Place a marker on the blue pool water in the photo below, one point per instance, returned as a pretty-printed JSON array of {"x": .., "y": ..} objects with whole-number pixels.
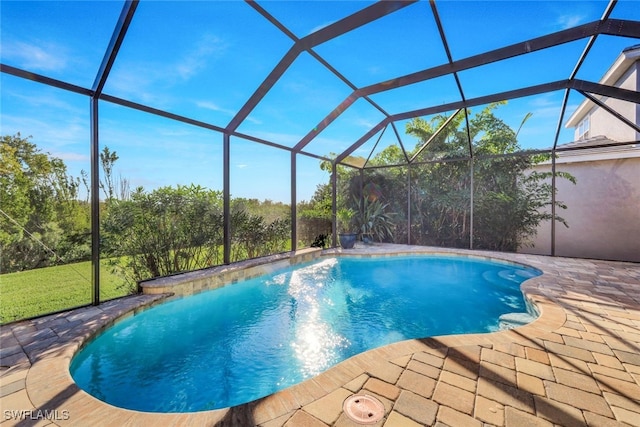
[{"x": 244, "y": 341}]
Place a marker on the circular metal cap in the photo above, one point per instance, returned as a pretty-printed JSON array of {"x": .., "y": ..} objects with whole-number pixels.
[{"x": 363, "y": 409}]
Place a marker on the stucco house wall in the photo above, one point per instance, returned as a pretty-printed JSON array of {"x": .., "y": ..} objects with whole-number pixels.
[
  {"x": 603, "y": 211},
  {"x": 603, "y": 123},
  {"x": 623, "y": 73},
  {"x": 603, "y": 208}
]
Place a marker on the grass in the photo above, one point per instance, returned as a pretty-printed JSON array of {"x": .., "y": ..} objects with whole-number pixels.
[
  {"x": 45, "y": 290},
  {"x": 41, "y": 291}
]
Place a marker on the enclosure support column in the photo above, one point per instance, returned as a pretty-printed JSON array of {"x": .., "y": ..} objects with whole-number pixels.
[
  {"x": 471, "y": 204},
  {"x": 294, "y": 203},
  {"x": 95, "y": 203},
  {"x": 334, "y": 189},
  {"x": 226, "y": 203},
  {"x": 361, "y": 201},
  {"x": 126, "y": 15},
  {"x": 409, "y": 204},
  {"x": 553, "y": 202}
]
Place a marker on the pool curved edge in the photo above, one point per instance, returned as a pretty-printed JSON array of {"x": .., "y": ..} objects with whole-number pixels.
[{"x": 50, "y": 386}]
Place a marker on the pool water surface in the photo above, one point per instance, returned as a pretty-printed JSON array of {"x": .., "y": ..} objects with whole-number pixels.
[{"x": 244, "y": 341}]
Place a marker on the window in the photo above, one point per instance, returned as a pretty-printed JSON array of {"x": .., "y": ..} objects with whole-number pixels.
[{"x": 583, "y": 129}]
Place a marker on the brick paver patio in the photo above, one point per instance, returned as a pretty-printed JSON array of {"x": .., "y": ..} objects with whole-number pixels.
[{"x": 578, "y": 364}]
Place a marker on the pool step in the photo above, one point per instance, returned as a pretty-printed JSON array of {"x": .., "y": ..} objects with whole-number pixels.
[{"x": 514, "y": 320}]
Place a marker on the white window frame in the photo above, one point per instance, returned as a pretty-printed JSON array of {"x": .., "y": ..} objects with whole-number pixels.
[{"x": 583, "y": 127}]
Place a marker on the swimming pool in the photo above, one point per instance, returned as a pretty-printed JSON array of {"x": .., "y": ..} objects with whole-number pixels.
[{"x": 238, "y": 343}]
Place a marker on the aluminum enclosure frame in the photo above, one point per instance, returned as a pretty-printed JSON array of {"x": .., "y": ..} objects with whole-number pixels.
[{"x": 378, "y": 10}]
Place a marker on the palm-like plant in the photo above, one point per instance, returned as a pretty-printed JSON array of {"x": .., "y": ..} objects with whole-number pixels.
[{"x": 374, "y": 221}]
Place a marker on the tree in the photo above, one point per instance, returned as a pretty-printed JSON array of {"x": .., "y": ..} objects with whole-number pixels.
[
  {"x": 510, "y": 200},
  {"x": 314, "y": 217},
  {"x": 253, "y": 236},
  {"x": 107, "y": 160},
  {"x": 176, "y": 229},
  {"x": 165, "y": 231},
  {"x": 41, "y": 221},
  {"x": 440, "y": 191},
  {"x": 112, "y": 187}
]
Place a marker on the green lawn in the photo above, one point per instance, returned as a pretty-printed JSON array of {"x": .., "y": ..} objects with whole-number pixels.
[{"x": 45, "y": 290}]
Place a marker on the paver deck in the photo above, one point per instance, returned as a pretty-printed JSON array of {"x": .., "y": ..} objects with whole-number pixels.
[{"x": 577, "y": 364}]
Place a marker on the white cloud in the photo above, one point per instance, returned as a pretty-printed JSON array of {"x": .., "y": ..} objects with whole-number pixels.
[
  {"x": 137, "y": 80},
  {"x": 543, "y": 100},
  {"x": 362, "y": 122},
  {"x": 48, "y": 133},
  {"x": 321, "y": 26},
  {"x": 374, "y": 70},
  {"x": 545, "y": 106},
  {"x": 207, "y": 48},
  {"x": 297, "y": 87},
  {"x": 215, "y": 107},
  {"x": 45, "y": 56},
  {"x": 568, "y": 21},
  {"x": 208, "y": 105},
  {"x": 72, "y": 157},
  {"x": 65, "y": 139},
  {"x": 254, "y": 121},
  {"x": 142, "y": 80},
  {"x": 46, "y": 101}
]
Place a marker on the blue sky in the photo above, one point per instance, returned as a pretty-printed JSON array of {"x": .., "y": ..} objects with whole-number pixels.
[{"x": 204, "y": 59}]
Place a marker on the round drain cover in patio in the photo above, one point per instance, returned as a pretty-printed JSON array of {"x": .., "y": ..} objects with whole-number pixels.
[{"x": 363, "y": 409}]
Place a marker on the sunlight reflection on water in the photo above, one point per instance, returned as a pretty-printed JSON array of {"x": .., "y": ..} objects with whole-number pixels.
[
  {"x": 316, "y": 344},
  {"x": 245, "y": 341}
]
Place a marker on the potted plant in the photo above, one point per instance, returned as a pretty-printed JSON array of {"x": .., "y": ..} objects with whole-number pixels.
[{"x": 346, "y": 235}]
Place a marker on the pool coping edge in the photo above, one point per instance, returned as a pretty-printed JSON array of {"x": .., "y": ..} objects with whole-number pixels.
[{"x": 49, "y": 384}]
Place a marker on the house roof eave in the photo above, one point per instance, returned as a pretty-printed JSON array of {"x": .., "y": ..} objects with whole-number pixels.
[{"x": 624, "y": 61}]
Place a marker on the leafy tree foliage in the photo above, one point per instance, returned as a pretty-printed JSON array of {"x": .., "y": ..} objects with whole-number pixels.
[
  {"x": 510, "y": 199},
  {"x": 177, "y": 229},
  {"x": 165, "y": 231},
  {"x": 144, "y": 234},
  {"x": 253, "y": 236},
  {"x": 314, "y": 217},
  {"x": 267, "y": 209},
  {"x": 112, "y": 187},
  {"x": 172, "y": 229},
  {"x": 41, "y": 220}
]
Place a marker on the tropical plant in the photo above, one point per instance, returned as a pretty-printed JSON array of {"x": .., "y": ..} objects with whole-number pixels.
[
  {"x": 509, "y": 200},
  {"x": 344, "y": 217},
  {"x": 443, "y": 178},
  {"x": 113, "y": 187},
  {"x": 373, "y": 219}
]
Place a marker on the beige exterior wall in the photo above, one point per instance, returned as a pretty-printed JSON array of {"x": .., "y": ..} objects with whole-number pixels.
[
  {"x": 603, "y": 123},
  {"x": 603, "y": 209}
]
